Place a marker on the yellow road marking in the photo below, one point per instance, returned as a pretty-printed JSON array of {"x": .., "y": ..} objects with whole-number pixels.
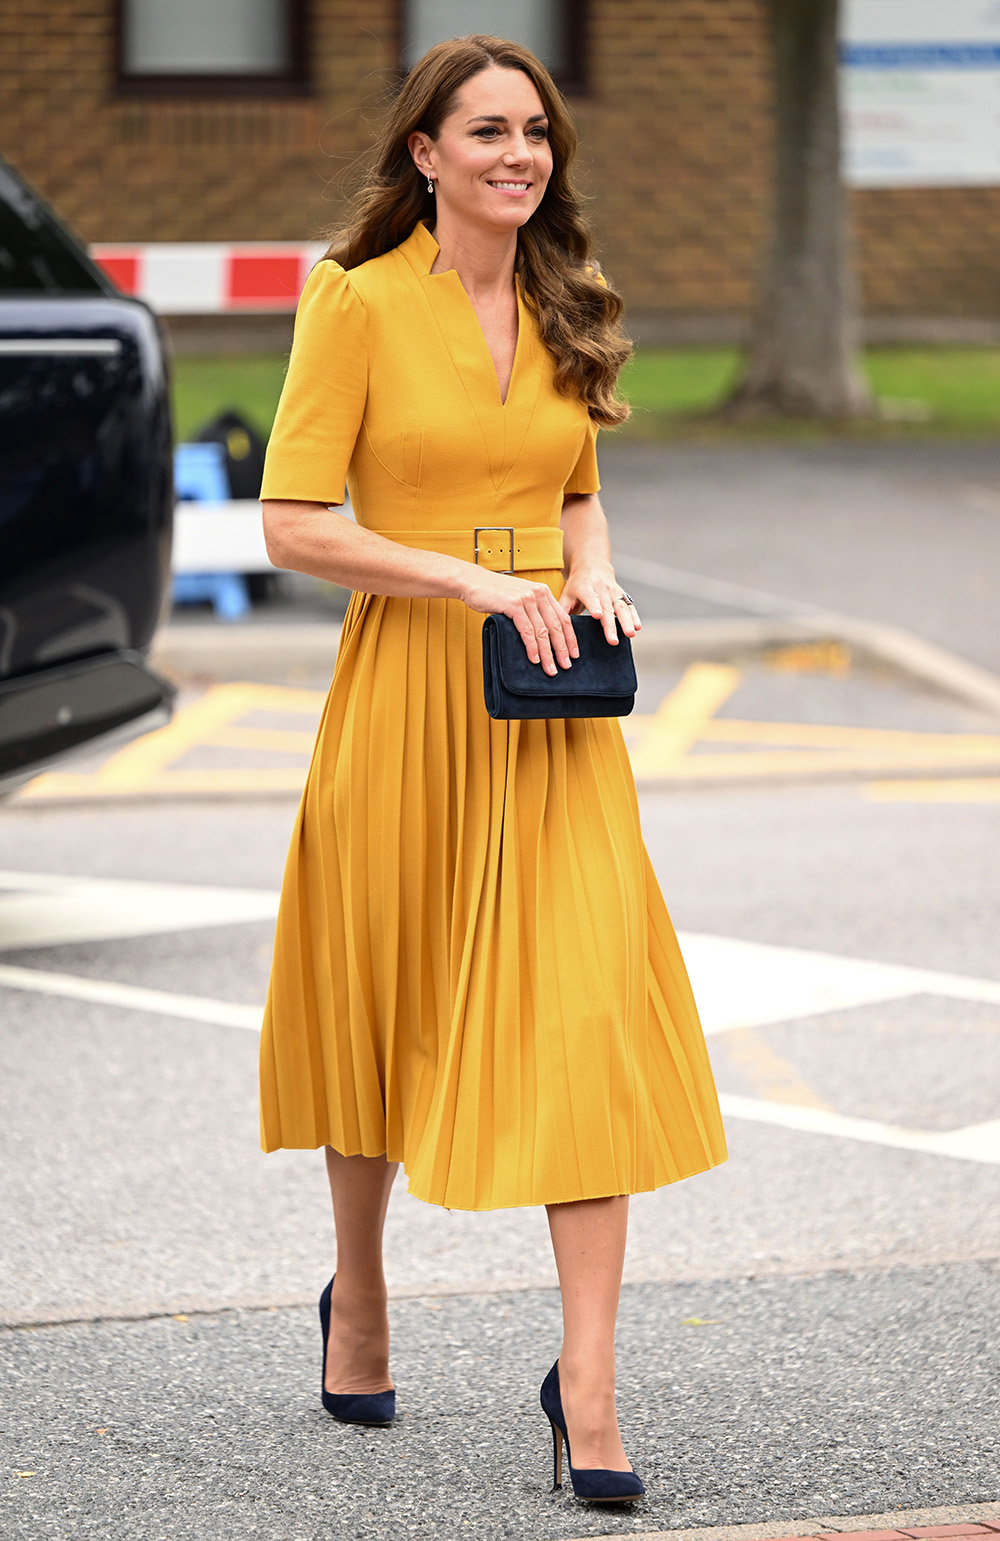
[
  {"x": 181, "y": 783},
  {"x": 143, "y": 765},
  {"x": 771, "y": 1076},
  {"x": 682, "y": 740},
  {"x": 144, "y": 757},
  {"x": 806, "y": 734},
  {"x": 285, "y": 740},
  {"x": 680, "y": 721},
  {"x": 827, "y": 657},
  {"x": 710, "y": 767},
  {"x": 807, "y": 749},
  {"x": 985, "y": 789}
]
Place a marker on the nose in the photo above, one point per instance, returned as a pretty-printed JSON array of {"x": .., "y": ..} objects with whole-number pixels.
[{"x": 519, "y": 155}]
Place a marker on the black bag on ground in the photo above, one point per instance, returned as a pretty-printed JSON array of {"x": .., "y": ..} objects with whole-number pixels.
[{"x": 244, "y": 449}]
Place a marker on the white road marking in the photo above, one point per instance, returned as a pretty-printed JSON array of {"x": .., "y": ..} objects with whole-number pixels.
[
  {"x": 753, "y": 984},
  {"x": 718, "y": 591},
  {"x": 45, "y": 910},
  {"x": 109, "y": 992},
  {"x": 736, "y": 983},
  {"x": 978, "y": 1142}
]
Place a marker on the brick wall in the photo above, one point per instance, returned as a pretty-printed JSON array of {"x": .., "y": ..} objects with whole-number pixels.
[
  {"x": 675, "y": 153},
  {"x": 929, "y": 251},
  {"x": 128, "y": 168},
  {"x": 676, "y": 135}
]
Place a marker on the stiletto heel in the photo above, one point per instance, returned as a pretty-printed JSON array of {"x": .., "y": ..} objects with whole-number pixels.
[
  {"x": 375, "y": 1408},
  {"x": 593, "y": 1484},
  {"x": 557, "y": 1444}
]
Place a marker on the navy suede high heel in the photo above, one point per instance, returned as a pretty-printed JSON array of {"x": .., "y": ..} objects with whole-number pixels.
[
  {"x": 375, "y": 1408},
  {"x": 593, "y": 1484}
]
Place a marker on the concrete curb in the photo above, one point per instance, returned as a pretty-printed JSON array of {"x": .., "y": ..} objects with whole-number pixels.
[
  {"x": 770, "y": 1530},
  {"x": 924, "y": 661},
  {"x": 244, "y": 652},
  {"x": 769, "y": 620},
  {"x": 666, "y": 644}
]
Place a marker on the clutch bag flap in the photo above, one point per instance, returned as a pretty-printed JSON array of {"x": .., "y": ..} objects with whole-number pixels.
[{"x": 600, "y": 683}]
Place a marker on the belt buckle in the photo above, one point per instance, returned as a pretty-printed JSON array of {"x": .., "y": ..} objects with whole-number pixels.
[{"x": 482, "y": 529}]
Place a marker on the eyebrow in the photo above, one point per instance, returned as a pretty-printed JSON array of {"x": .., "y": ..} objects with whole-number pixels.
[{"x": 498, "y": 117}]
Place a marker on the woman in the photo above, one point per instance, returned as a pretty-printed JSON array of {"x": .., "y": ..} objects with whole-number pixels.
[{"x": 474, "y": 971}]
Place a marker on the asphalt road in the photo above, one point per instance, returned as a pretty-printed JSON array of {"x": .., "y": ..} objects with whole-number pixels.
[
  {"x": 905, "y": 533},
  {"x": 809, "y": 1330},
  {"x": 833, "y": 1394},
  {"x": 853, "y": 1285}
]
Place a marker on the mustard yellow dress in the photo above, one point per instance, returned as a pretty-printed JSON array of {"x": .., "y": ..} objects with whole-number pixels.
[{"x": 474, "y": 970}]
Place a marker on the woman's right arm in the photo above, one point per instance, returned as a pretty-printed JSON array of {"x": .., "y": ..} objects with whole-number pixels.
[{"x": 311, "y": 538}]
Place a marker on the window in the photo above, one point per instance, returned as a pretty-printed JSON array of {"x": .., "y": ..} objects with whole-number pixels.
[
  {"x": 189, "y": 46},
  {"x": 552, "y": 29},
  {"x": 37, "y": 253}
]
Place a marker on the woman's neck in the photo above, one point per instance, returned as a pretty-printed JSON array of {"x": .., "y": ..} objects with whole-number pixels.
[{"x": 483, "y": 259}]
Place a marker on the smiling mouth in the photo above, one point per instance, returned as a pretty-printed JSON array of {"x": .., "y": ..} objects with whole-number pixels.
[{"x": 512, "y": 187}]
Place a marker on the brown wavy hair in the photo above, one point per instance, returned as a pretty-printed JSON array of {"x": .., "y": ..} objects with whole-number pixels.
[{"x": 579, "y": 317}]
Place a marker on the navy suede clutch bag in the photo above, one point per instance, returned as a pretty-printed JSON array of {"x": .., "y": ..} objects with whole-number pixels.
[{"x": 601, "y": 683}]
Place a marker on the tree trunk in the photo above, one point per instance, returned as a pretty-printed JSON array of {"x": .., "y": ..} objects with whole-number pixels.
[{"x": 804, "y": 352}]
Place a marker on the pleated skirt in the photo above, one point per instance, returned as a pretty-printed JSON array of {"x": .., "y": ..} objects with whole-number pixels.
[{"x": 474, "y": 969}]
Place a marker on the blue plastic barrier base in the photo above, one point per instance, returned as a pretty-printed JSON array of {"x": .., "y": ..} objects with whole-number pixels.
[{"x": 227, "y": 593}]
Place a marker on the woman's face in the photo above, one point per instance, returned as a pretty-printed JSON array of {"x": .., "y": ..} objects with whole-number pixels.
[{"x": 492, "y": 159}]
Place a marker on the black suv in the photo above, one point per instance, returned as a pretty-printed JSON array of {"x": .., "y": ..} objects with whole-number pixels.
[{"x": 86, "y": 495}]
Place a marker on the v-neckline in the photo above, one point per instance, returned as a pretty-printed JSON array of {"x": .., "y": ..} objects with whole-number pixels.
[
  {"x": 502, "y": 396},
  {"x": 430, "y": 251},
  {"x": 503, "y": 421}
]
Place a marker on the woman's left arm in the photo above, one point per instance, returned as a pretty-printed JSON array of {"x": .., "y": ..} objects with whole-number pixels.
[{"x": 590, "y": 582}]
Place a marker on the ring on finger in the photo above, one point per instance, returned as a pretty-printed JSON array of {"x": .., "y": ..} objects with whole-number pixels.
[{"x": 626, "y": 597}]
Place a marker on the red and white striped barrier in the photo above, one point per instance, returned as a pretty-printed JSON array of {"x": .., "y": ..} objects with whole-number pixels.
[{"x": 205, "y": 278}]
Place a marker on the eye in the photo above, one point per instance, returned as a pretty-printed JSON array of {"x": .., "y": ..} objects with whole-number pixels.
[
  {"x": 490, "y": 131},
  {"x": 538, "y": 132}
]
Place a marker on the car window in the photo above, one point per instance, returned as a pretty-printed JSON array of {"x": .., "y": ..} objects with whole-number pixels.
[{"x": 36, "y": 254}]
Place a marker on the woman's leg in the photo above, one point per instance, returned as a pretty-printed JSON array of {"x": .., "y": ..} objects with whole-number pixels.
[
  {"x": 588, "y": 1239},
  {"x": 357, "y": 1357}
]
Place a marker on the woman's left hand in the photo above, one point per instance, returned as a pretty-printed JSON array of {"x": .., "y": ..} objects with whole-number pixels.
[{"x": 595, "y": 588}]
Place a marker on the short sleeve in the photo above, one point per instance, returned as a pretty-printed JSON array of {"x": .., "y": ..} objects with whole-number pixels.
[
  {"x": 584, "y": 478},
  {"x": 323, "y": 397}
]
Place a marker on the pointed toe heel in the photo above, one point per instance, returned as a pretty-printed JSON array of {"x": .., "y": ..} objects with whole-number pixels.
[
  {"x": 375, "y": 1409},
  {"x": 591, "y": 1484}
]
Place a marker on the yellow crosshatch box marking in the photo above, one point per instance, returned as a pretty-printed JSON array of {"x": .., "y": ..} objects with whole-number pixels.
[
  {"x": 983, "y": 789},
  {"x": 676, "y": 743},
  {"x": 145, "y": 766}
]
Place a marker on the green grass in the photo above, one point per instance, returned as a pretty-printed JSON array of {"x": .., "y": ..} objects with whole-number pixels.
[
  {"x": 250, "y": 383},
  {"x": 677, "y": 380},
  {"x": 924, "y": 391},
  {"x": 954, "y": 385}
]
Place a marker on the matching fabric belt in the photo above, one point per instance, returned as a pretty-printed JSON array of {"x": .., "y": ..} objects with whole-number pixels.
[{"x": 502, "y": 548}]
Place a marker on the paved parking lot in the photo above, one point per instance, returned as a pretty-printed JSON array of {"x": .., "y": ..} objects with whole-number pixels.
[
  {"x": 793, "y": 712},
  {"x": 808, "y": 1333}
]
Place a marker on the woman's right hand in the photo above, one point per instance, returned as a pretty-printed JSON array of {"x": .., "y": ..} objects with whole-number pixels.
[{"x": 544, "y": 625}]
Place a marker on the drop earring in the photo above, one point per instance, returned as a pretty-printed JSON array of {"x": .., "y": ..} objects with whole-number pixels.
[{"x": 430, "y": 184}]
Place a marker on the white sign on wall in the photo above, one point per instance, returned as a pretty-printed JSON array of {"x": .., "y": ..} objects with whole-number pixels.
[{"x": 921, "y": 93}]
